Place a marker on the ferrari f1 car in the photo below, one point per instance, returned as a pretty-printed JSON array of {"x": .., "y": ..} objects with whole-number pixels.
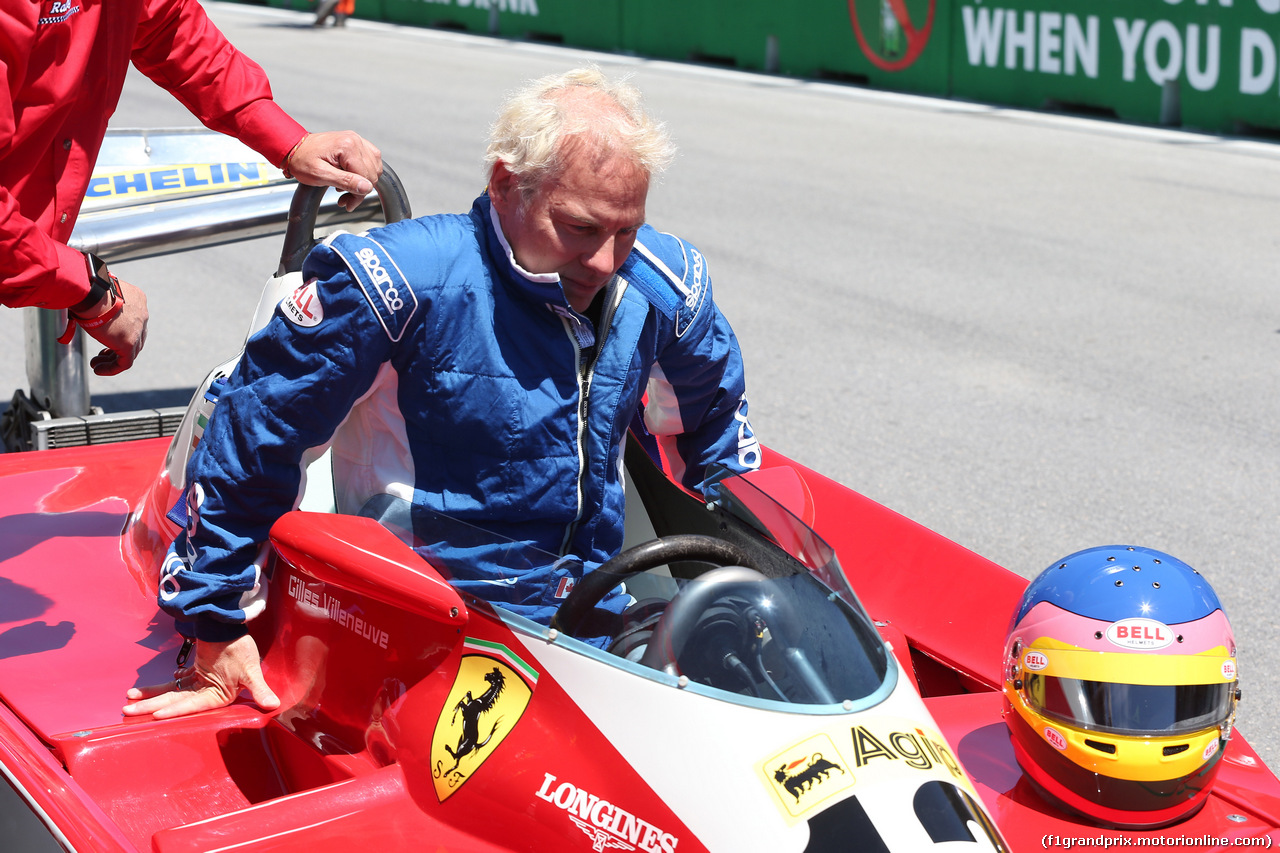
[{"x": 801, "y": 670}]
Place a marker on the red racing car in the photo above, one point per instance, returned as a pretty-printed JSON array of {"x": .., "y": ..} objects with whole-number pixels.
[{"x": 802, "y": 670}]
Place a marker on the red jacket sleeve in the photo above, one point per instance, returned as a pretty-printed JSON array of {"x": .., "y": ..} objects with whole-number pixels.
[
  {"x": 35, "y": 269},
  {"x": 179, "y": 48}
]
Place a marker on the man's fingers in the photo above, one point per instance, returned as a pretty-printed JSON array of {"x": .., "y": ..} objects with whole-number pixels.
[
  {"x": 106, "y": 363},
  {"x": 340, "y": 159},
  {"x": 176, "y": 704},
  {"x": 221, "y": 670},
  {"x": 183, "y": 695},
  {"x": 346, "y": 181},
  {"x": 262, "y": 695},
  {"x": 149, "y": 691},
  {"x": 189, "y": 703}
]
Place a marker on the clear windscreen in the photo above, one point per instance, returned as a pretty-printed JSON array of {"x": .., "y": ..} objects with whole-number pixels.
[{"x": 791, "y": 633}]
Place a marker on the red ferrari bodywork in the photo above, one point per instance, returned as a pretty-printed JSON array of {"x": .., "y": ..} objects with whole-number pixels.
[{"x": 351, "y": 761}]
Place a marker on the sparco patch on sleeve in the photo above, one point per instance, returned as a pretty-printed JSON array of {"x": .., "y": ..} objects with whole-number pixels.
[
  {"x": 303, "y": 306},
  {"x": 680, "y": 297},
  {"x": 383, "y": 283}
]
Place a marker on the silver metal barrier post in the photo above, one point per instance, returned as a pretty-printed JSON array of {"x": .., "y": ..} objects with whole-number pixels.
[{"x": 58, "y": 375}]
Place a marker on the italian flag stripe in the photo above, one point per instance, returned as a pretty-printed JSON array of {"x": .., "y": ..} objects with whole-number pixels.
[{"x": 497, "y": 650}]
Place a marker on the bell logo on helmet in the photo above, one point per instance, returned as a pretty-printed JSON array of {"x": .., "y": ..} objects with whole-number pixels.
[
  {"x": 1035, "y": 661},
  {"x": 1140, "y": 634},
  {"x": 1055, "y": 738}
]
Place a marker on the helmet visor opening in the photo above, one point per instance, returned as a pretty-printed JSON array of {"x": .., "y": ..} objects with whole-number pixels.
[{"x": 1130, "y": 709}]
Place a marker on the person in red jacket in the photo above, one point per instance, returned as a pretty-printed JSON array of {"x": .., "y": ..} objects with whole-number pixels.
[{"x": 62, "y": 67}]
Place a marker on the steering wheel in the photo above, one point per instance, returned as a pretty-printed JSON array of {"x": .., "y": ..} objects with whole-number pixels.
[
  {"x": 686, "y": 546},
  {"x": 695, "y": 607},
  {"x": 713, "y": 632}
]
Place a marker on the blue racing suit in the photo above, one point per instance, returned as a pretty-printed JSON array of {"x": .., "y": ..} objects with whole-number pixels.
[{"x": 441, "y": 372}]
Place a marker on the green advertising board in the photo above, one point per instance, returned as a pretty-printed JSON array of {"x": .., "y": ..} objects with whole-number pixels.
[
  {"x": 593, "y": 24},
  {"x": 1207, "y": 64},
  {"x": 902, "y": 43}
]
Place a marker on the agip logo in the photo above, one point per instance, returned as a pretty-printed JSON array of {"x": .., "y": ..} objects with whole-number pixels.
[
  {"x": 825, "y": 768},
  {"x": 808, "y": 775},
  {"x": 889, "y": 31}
]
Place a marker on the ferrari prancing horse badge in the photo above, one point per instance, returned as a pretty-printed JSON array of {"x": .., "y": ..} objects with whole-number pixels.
[{"x": 489, "y": 695}]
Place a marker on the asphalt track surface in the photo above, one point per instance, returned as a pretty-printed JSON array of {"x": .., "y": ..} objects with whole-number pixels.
[{"x": 1033, "y": 333}]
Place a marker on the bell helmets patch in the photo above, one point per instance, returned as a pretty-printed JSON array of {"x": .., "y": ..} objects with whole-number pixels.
[
  {"x": 303, "y": 307},
  {"x": 489, "y": 695}
]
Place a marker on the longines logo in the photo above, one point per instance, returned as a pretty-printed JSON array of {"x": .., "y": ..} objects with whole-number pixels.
[{"x": 607, "y": 825}]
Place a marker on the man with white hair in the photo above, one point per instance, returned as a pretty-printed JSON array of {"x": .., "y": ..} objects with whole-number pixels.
[{"x": 487, "y": 366}]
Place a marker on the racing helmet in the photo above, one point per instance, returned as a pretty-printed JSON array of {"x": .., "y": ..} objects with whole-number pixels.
[{"x": 1120, "y": 686}]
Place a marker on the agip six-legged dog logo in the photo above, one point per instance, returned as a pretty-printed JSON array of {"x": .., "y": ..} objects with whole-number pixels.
[
  {"x": 815, "y": 771},
  {"x": 807, "y": 775}
]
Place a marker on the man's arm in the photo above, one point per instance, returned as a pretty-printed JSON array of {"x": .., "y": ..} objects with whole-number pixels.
[
  {"x": 696, "y": 405},
  {"x": 35, "y": 269},
  {"x": 296, "y": 382}
]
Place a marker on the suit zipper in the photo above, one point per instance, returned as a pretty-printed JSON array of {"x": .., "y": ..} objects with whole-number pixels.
[{"x": 585, "y": 369}]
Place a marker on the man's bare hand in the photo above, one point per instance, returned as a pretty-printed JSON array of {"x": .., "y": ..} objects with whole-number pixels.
[
  {"x": 220, "y": 672},
  {"x": 338, "y": 158},
  {"x": 124, "y": 336}
]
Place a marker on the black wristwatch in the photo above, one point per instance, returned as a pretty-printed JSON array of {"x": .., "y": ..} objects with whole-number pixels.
[{"x": 101, "y": 282}]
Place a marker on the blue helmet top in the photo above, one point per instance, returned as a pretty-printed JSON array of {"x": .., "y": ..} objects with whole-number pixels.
[{"x": 1117, "y": 582}]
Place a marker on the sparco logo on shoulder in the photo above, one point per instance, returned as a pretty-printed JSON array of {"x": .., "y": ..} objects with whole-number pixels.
[
  {"x": 695, "y": 291},
  {"x": 381, "y": 279},
  {"x": 608, "y": 826}
]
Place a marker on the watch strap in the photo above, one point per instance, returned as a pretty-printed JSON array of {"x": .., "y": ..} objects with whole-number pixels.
[{"x": 101, "y": 284}]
